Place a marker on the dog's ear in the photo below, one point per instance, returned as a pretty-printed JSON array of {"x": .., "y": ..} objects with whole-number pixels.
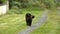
[{"x": 33, "y": 16}]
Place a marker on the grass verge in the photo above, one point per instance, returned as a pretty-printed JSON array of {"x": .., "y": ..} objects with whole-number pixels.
[
  {"x": 13, "y": 23},
  {"x": 51, "y": 26}
]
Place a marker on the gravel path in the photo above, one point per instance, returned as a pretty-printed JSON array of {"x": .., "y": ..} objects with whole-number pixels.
[
  {"x": 40, "y": 20},
  {"x": 58, "y": 12}
]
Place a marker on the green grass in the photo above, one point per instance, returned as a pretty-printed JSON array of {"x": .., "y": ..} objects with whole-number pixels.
[
  {"x": 51, "y": 26},
  {"x": 13, "y": 23}
]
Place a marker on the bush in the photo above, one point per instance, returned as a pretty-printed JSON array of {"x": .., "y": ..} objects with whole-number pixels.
[
  {"x": 15, "y": 10},
  {"x": 2, "y": 1}
]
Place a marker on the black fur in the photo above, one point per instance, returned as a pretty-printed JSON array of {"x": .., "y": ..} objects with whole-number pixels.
[{"x": 29, "y": 18}]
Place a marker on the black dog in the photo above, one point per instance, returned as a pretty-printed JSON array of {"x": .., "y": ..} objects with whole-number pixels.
[{"x": 29, "y": 18}]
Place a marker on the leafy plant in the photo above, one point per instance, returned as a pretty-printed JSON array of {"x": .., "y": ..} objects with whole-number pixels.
[{"x": 2, "y": 1}]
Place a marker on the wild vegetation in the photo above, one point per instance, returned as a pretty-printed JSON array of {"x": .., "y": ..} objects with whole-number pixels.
[
  {"x": 34, "y": 3},
  {"x": 38, "y": 4}
]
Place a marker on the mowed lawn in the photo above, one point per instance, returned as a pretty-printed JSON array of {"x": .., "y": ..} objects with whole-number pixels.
[
  {"x": 50, "y": 26},
  {"x": 13, "y": 23}
]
